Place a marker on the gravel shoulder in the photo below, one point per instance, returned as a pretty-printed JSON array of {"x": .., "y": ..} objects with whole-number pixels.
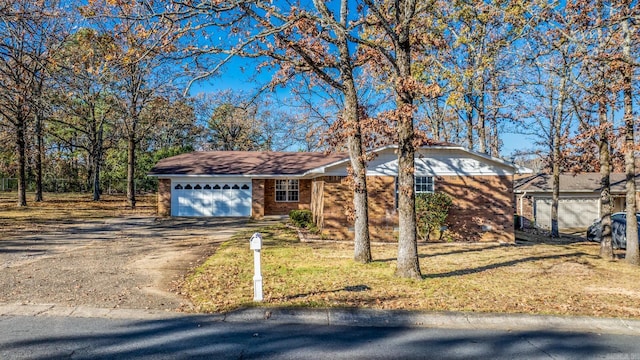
[{"x": 132, "y": 262}]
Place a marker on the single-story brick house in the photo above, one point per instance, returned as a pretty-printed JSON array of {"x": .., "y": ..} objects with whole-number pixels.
[
  {"x": 257, "y": 184},
  {"x": 579, "y": 202}
]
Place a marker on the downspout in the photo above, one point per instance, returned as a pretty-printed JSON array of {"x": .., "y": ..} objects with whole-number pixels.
[{"x": 522, "y": 209}]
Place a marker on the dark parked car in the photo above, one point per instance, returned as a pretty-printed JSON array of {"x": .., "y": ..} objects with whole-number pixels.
[{"x": 618, "y": 230}]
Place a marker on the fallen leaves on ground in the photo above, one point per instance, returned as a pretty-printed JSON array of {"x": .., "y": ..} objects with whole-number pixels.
[{"x": 567, "y": 279}]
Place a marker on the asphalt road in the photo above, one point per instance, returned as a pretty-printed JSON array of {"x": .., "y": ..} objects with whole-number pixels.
[{"x": 200, "y": 337}]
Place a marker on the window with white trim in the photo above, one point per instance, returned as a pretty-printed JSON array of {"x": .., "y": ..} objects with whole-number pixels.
[
  {"x": 424, "y": 184},
  {"x": 287, "y": 190}
]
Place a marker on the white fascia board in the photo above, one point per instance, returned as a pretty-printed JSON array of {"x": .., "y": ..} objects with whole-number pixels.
[{"x": 323, "y": 169}]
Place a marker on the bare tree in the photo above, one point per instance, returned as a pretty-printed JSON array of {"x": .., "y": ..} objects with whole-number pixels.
[
  {"x": 393, "y": 24},
  {"x": 83, "y": 97},
  {"x": 27, "y": 30},
  {"x": 303, "y": 40},
  {"x": 633, "y": 253},
  {"x": 141, "y": 65}
]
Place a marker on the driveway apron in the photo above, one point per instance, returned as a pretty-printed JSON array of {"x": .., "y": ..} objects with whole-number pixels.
[{"x": 133, "y": 262}]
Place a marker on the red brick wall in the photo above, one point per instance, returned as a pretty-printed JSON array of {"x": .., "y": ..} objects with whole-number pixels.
[
  {"x": 337, "y": 208},
  {"x": 271, "y": 207},
  {"x": 257, "y": 198},
  {"x": 482, "y": 208},
  {"x": 383, "y": 216},
  {"x": 164, "y": 197},
  {"x": 317, "y": 201},
  {"x": 334, "y": 213}
]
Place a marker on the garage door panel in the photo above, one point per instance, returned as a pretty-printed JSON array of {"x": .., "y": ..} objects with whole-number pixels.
[
  {"x": 186, "y": 206},
  {"x": 239, "y": 202},
  {"x": 201, "y": 203},
  {"x": 543, "y": 213},
  {"x": 577, "y": 213},
  {"x": 212, "y": 199},
  {"x": 219, "y": 203},
  {"x": 572, "y": 213}
]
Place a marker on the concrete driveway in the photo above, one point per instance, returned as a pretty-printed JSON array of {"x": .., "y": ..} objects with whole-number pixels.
[{"x": 134, "y": 262}]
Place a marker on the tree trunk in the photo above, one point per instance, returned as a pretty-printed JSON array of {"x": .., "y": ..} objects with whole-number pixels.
[
  {"x": 557, "y": 128},
  {"x": 97, "y": 162},
  {"x": 39, "y": 157},
  {"x": 131, "y": 164},
  {"x": 555, "y": 197},
  {"x": 469, "y": 123},
  {"x": 96, "y": 180},
  {"x": 482, "y": 131},
  {"x": 362, "y": 243},
  {"x": 632, "y": 255},
  {"x": 494, "y": 140},
  {"x": 606, "y": 248},
  {"x": 408, "y": 265},
  {"x": 22, "y": 162}
]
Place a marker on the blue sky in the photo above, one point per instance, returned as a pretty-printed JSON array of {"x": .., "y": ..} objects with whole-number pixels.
[{"x": 233, "y": 78}]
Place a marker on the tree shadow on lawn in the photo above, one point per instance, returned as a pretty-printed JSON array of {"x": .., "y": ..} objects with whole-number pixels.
[
  {"x": 490, "y": 266},
  {"x": 348, "y": 288},
  {"x": 453, "y": 252},
  {"x": 480, "y": 269}
]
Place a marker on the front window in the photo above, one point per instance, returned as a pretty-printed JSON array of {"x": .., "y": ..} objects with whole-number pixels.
[
  {"x": 287, "y": 190},
  {"x": 424, "y": 184}
]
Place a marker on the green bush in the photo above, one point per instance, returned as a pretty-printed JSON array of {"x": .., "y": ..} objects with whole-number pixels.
[
  {"x": 301, "y": 218},
  {"x": 431, "y": 214}
]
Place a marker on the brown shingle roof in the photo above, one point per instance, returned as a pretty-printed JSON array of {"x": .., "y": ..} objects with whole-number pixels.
[
  {"x": 585, "y": 182},
  {"x": 244, "y": 163}
]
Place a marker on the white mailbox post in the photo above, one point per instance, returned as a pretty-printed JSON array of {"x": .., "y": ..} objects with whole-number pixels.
[{"x": 255, "y": 244}]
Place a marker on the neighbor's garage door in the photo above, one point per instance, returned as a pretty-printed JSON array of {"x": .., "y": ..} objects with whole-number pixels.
[
  {"x": 211, "y": 199},
  {"x": 572, "y": 213}
]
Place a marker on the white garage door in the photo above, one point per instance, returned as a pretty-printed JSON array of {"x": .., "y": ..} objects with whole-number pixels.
[
  {"x": 572, "y": 213},
  {"x": 211, "y": 199}
]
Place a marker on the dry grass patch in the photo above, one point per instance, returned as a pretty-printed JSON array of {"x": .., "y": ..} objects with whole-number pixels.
[
  {"x": 66, "y": 207},
  {"x": 566, "y": 279}
]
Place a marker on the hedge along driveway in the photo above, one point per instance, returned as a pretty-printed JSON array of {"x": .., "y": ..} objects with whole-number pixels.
[{"x": 567, "y": 279}]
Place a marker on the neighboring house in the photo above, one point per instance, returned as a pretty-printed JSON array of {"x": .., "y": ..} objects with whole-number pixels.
[
  {"x": 579, "y": 203},
  {"x": 257, "y": 184}
]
